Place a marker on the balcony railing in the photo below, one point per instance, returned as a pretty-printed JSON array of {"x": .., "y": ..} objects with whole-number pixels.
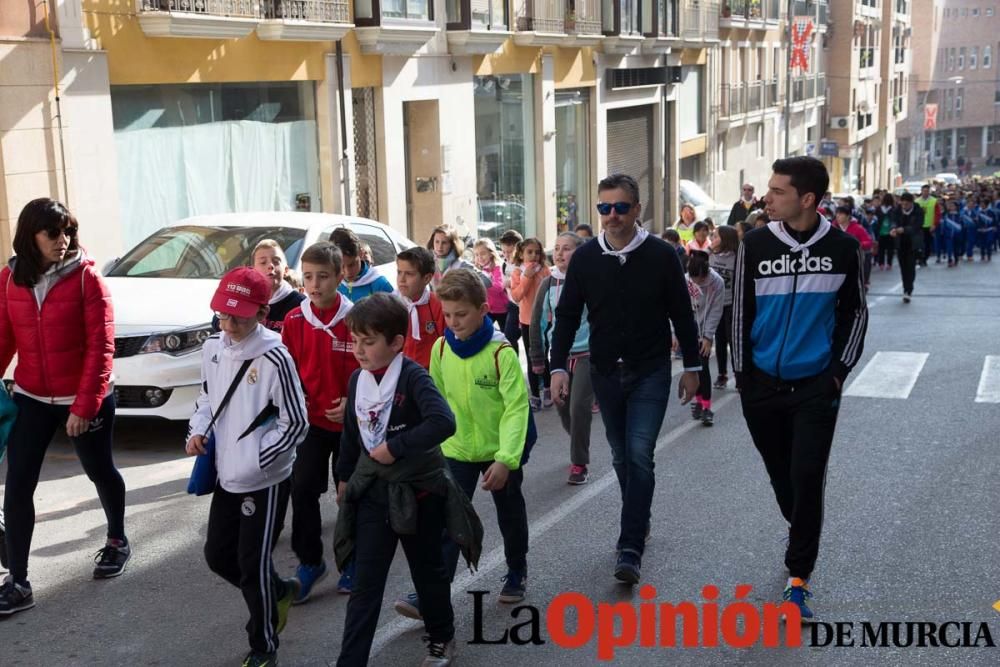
[
  {"x": 821, "y": 85},
  {"x": 755, "y": 96},
  {"x": 700, "y": 20},
  {"x": 807, "y": 87},
  {"x": 317, "y": 11},
  {"x": 244, "y": 9},
  {"x": 541, "y": 16},
  {"x": 732, "y": 100},
  {"x": 771, "y": 97},
  {"x": 742, "y": 9},
  {"x": 583, "y": 17},
  {"x": 482, "y": 15}
]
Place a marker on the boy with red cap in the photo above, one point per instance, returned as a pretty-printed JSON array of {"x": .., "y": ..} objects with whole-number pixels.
[{"x": 255, "y": 410}]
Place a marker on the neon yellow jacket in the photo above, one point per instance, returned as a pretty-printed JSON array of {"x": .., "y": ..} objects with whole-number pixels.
[{"x": 489, "y": 397}]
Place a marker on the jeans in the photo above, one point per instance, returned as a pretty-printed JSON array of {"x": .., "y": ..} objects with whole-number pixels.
[{"x": 632, "y": 407}]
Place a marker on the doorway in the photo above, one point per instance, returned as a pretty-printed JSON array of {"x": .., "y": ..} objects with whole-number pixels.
[{"x": 422, "y": 146}]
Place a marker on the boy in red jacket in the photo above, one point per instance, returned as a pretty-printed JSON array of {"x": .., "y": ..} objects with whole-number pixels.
[
  {"x": 414, "y": 271},
  {"x": 320, "y": 343}
]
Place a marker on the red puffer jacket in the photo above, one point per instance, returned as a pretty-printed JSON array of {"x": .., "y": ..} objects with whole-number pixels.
[{"x": 65, "y": 349}]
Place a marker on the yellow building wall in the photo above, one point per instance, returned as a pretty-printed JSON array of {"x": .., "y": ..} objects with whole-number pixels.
[{"x": 574, "y": 67}]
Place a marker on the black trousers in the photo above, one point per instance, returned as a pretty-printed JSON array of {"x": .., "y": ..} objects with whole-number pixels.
[
  {"x": 792, "y": 426},
  {"x": 908, "y": 269},
  {"x": 33, "y": 429},
  {"x": 242, "y": 531},
  {"x": 375, "y": 546},
  {"x": 512, "y": 326},
  {"x": 533, "y": 377},
  {"x": 886, "y": 250},
  {"x": 315, "y": 462},
  {"x": 705, "y": 380},
  {"x": 722, "y": 340},
  {"x": 511, "y": 514}
]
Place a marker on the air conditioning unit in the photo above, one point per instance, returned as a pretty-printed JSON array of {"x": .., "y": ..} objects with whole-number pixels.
[{"x": 840, "y": 122}]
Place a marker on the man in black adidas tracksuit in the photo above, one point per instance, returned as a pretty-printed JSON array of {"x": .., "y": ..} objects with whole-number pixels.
[{"x": 799, "y": 323}]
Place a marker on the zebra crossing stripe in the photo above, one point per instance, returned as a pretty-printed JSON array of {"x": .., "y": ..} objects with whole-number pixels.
[
  {"x": 888, "y": 375},
  {"x": 989, "y": 381}
]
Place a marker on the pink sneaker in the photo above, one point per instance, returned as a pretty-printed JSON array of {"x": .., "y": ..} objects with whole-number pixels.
[{"x": 577, "y": 475}]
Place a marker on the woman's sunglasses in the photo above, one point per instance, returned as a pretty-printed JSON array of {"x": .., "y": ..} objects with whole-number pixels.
[
  {"x": 620, "y": 207},
  {"x": 55, "y": 232}
]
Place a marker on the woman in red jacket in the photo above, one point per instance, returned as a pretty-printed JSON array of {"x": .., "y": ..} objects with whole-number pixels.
[{"x": 55, "y": 314}]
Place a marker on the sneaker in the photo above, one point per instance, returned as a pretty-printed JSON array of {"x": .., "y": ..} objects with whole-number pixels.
[
  {"x": 255, "y": 659},
  {"x": 721, "y": 382},
  {"x": 439, "y": 654},
  {"x": 696, "y": 410},
  {"x": 547, "y": 399},
  {"x": 798, "y": 595},
  {"x": 577, "y": 475},
  {"x": 513, "y": 586},
  {"x": 535, "y": 403},
  {"x": 628, "y": 567},
  {"x": 409, "y": 606},
  {"x": 346, "y": 582},
  {"x": 286, "y": 601},
  {"x": 906, "y": 298},
  {"x": 111, "y": 559},
  {"x": 707, "y": 417},
  {"x": 308, "y": 576},
  {"x": 15, "y": 597}
]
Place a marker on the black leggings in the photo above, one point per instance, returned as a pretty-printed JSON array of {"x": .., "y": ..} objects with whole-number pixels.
[
  {"x": 722, "y": 340},
  {"x": 33, "y": 430},
  {"x": 704, "y": 381},
  {"x": 886, "y": 250},
  {"x": 532, "y": 376}
]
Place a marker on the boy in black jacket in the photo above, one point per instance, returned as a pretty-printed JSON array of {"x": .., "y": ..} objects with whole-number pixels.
[{"x": 393, "y": 485}]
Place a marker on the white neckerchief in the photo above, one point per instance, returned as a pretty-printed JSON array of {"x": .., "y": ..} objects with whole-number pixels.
[
  {"x": 557, "y": 274},
  {"x": 311, "y": 318},
  {"x": 556, "y": 287},
  {"x": 373, "y": 403},
  {"x": 411, "y": 306},
  {"x": 284, "y": 289},
  {"x": 778, "y": 229},
  {"x": 622, "y": 255},
  {"x": 367, "y": 278}
]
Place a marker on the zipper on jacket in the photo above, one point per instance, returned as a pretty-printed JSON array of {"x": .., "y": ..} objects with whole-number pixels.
[{"x": 788, "y": 321}]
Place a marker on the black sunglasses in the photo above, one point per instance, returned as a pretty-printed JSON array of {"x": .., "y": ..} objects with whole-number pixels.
[
  {"x": 620, "y": 207},
  {"x": 55, "y": 232}
]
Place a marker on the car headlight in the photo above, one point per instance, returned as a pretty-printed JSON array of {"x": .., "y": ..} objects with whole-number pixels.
[{"x": 181, "y": 341}]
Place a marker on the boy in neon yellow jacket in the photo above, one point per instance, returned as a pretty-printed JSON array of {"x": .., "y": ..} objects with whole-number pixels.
[{"x": 479, "y": 374}]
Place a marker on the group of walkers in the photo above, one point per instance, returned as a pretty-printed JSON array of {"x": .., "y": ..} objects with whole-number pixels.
[{"x": 410, "y": 400}]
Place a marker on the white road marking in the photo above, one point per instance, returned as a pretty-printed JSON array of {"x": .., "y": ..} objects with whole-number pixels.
[
  {"x": 895, "y": 291},
  {"x": 495, "y": 558},
  {"x": 989, "y": 381},
  {"x": 888, "y": 375}
]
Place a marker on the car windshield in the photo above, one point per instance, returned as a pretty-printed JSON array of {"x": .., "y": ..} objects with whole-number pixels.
[
  {"x": 692, "y": 194},
  {"x": 202, "y": 252}
]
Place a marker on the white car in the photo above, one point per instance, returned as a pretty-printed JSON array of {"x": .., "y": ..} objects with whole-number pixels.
[
  {"x": 913, "y": 187},
  {"x": 948, "y": 178},
  {"x": 704, "y": 206},
  {"x": 161, "y": 290}
]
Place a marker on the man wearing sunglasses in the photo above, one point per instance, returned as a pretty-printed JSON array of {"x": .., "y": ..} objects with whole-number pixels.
[
  {"x": 633, "y": 288},
  {"x": 746, "y": 203}
]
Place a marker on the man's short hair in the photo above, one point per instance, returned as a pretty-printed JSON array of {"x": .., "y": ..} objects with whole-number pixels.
[
  {"x": 324, "y": 253},
  {"x": 807, "y": 175},
  {"x": 511, "y": 237},
  {"x": 421, "y": 258},
  {"x": 906, "y": 196},
  {"x": 347, "y": 241},
  {"x": 380, "y": 314},
  {"x": 622, "y": 181},
  {"x": 462, "y": 285}
]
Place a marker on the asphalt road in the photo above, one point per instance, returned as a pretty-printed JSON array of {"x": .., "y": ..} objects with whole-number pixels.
[{"x": 910, "y": 534}]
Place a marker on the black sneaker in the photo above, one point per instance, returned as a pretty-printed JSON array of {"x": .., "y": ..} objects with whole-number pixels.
[
  {"x": 696, "y": 410},
  {"x": 628, "y": 567},
  {"x": 111, "y": 559},
  {"x": 15, "y": 597},
  {"x": 255, "y": 659},
  {"x": 513, "y": 586},
  {"x": 707, "y": 417},
  {"x": 439, "y": 654}
]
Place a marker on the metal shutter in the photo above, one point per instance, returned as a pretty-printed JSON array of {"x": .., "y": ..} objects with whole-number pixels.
[{"x": 630, "y": 151}]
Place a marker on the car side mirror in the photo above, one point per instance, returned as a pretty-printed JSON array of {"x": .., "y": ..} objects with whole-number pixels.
[{"x": 109, "y": 265}]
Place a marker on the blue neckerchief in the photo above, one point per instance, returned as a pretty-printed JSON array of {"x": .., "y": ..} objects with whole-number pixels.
[
  {"x": 363, "y": 271},
  {"x": 474, "y": 343}
]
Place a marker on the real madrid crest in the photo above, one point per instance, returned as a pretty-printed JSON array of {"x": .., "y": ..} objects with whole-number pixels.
[
  {"x": 248, "y": 507},
  {"x": 252, "y": 376},
  {"x": 429, "y": 327}
]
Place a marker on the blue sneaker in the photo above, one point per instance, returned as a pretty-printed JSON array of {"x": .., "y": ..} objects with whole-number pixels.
[
  {"x": 798, "y": 595},
  {"x": 513, "y": 587},
  {"x": 308, "y": 576},
  {"x": 409, "y": 606},
  {"x": 628, "y": 567},
  {"x": 346, "y": 583}
]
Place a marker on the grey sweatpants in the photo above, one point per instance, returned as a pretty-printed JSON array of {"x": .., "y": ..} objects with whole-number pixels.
[{"x": 576, "y": 414}]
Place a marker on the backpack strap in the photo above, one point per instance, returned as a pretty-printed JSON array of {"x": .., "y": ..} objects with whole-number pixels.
[{"x": 496, "y": 356}]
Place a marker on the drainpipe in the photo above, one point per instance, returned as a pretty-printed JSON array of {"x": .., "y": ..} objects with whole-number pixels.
[
  {"x": 55, "y": 85},
  {"x": 345, "y": 170},
  {"x": 788, "y": 80}
]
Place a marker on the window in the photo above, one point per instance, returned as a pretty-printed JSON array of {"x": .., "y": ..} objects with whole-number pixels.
[
  {"x": 958, "y": 101},
  {"x": 961, "y": 141},
  {"x": 975, "y": 12},
  {"x": 573, "y": 157},
  {"x": 406, "y": 9},
  {"x": 961, "y": 58},
  {"x": 722, "y": 153},
  {"x": 760, "y": 140},
  {"x": 951, "y": 59},
  {"x": 996, "y": 97},
  {"x": 987, "y": 57},
  {"x": 965, "y": 12},
  {"x": 990, "y": 135},
  {"x": 973, "y": 57},
  {"x": 989, "y": 11}
]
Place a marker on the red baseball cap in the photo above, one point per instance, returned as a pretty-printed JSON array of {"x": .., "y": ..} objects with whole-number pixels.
[{"x": 241, "y": 292}]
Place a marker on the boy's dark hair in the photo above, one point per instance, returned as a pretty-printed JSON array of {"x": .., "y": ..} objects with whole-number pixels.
[
  {"x": 671, "y": 235},
  {"x": 380, "y": 314},
  {"x": 807, "y": 175},
  {"x": 347, "y": 241},
  {"x": 324, "y": 253},
  {"x": 511, "y": 237},
  {"x": 462, "y": 285},
  {"x": 584, "y": 228},
  {"x": 729, "y": 239},
  {"x": 40, "y": 215},
  {"x": 848, "y": 201},
  {"x": 623, "y": 181},
  {"x": 697, "y": 266},
  {"x": 421, "y": 258},
  {"x": 700, "y": 226},
  {"x": 906, "y": 196},
  {"x": 846, "y": 210}
]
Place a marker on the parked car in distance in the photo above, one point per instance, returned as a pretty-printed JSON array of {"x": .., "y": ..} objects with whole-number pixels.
[
  {"x": 161, "y": 290},
  {"x": 497, "y": 216},
  {"x": 913, "y": 187},
  {"x": 948, "y": 178},
  {"x": 704, "y": 206}
]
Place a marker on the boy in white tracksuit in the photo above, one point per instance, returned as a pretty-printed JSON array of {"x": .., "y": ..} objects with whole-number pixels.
[{"x": 256, "y": 433}]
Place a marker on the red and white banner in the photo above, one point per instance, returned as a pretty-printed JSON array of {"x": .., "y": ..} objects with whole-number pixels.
[
  {"x": 930, "y": 116},
  {"x": 802, "y": 28}
]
